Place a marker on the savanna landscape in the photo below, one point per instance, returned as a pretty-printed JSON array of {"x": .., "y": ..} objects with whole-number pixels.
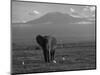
[
  {"x": 74, "y": 27},
  {"x": 70, "y": 56}
]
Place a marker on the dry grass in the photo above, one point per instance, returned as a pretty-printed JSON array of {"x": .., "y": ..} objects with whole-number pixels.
[{"x": 76, "y": 58}]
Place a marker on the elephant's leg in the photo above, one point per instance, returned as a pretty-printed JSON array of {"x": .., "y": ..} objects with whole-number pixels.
[
  {"x": 46, "y": 55},
  {"x": 52, "y": 55}
]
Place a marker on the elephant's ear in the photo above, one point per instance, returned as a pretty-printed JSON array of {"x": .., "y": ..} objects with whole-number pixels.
[{"x": 40, "y": 40}]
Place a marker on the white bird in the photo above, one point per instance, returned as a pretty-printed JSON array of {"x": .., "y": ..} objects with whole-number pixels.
[
  {"x": 23, "y": 63},
  {"x": 63, "y": 58},
  {"x": 54, "y": 61}
]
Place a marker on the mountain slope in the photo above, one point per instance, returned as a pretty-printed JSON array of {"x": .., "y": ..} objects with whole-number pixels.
[{"x": 56, "y": 17}]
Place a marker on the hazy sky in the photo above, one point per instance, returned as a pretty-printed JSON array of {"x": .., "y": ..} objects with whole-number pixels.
[{"x": 25, "y": 11}]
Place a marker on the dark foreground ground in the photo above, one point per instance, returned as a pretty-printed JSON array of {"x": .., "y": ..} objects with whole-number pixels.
[{"x": 77, "y": 56}]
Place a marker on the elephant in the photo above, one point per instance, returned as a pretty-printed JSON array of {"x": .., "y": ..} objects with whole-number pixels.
[{"x": 48, "y": 45}]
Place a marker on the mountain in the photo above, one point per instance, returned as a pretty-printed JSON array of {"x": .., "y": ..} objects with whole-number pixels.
[
  {"x": 56, "y": 17},
  {"x": 63, "y": 26}
]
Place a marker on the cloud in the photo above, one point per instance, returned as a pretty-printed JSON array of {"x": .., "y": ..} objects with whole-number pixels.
[
  {"x": 85, "y": 12},
  {"x": 23, "y": 21},
  {"x": 86, "y": 9},
  {"x": 36, "y": 12},
  {"x": 74, "y": 13},
  {"x": 89, "y": 8},
  {"x": 72, "y": 10},
  {"x": 92, "y": 9},
  {"x": 82, "y": 22},
  {"x": 79, "y": 13}
]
